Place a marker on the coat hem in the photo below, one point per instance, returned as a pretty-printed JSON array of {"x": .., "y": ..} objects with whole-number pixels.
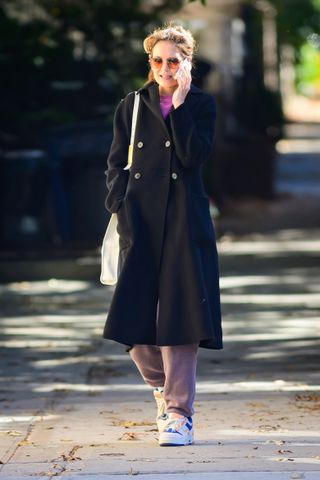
[{"x": 206, "y": 343}]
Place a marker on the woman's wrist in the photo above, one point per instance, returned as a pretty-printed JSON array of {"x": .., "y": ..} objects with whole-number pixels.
[
  {"x": 177, "y": 105},
  {"x": 176, "y": 102}
]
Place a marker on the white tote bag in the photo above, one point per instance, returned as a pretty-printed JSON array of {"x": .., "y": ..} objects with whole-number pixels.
[
  {"x": 110, "y": 253},
  {"x": 110, "y": 245}
]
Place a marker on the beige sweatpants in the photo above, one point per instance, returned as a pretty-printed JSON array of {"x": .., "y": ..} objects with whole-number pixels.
[{"x": 171, "y": 367}]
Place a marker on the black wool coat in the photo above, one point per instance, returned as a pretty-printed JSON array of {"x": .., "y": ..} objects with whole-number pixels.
[{"x": 168, "y": 287}]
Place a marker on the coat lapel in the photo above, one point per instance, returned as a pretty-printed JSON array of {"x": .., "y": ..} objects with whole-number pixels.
[{"x": 150, "y": 96}]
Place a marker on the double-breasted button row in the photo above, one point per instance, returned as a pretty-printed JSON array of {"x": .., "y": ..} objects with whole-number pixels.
[
  {"x": 174, "y": 175},
  {"x": 141, "y": 144}
]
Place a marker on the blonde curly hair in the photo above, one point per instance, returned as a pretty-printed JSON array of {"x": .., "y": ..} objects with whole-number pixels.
[{"x": 181, "y": 37}]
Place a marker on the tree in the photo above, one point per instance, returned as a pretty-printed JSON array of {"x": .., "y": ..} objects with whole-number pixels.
[
  {"x": 63, "y": 60},
  {"x": 296, "y": 20},
  {"x": 69, "y": 59}
]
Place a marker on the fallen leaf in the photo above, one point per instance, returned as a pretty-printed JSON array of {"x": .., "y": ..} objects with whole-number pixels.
[
  {"x": 268, "y": 428},
  {"x": 99, "y": 445},
  {"x": 308, "y": 398},
  {"x": 70, "y": 456},
  {"x": 12, "y": 433},
  {"x": 128, "y": 436},
  {"x": 130, "y": 423},
  {"x": 24, "y": 443}
]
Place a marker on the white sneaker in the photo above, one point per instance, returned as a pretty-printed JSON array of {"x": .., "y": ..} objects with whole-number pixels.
[
  {"x": 162, "y": 416},
  {"x": 178, "y": 431}
]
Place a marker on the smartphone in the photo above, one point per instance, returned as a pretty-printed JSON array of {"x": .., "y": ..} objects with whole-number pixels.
[{"x": 185, "y": 63}]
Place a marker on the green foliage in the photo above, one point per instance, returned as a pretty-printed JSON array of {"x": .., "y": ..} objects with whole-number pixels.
[
  {"x": 308, "y": 71},
  {"x": 81, "y": 56},
  {"x": 296, "y": 19},
  {"x": 298, "y": 24},
  {"x": 64, "y": 56}
]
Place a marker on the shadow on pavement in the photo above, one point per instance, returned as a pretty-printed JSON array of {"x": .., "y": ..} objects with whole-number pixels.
[{"x": 51, "y": 330}]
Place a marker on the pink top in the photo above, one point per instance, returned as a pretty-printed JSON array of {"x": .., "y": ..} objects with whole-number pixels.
[{"x": 165, "y": 104}]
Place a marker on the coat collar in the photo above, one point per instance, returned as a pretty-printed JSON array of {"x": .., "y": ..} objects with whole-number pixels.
[
  {"x": 152, "y": 85},
  {"x": 150, "y": 95}
]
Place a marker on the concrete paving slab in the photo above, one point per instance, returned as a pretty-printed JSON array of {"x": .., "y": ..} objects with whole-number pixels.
[
  {"x": 205, "y": 476},
  {"x": 231, "y": 475},
  {"x": 80, "y": 409}
]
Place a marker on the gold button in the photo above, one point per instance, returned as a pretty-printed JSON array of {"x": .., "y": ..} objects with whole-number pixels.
[
  {"x": 137, "y": 175},
  {"x": 140, "y": 144},
  {"x": 168, "y": 143},
  {"x": 174, "y": 176}
]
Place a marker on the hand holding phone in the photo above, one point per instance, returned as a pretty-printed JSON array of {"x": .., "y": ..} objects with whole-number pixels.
[
  {"x": 184, "y": 68},
  {"x": 183, "y": 77}
]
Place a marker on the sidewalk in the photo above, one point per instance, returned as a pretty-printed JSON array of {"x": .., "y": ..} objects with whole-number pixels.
[{"x": 73, "y": 405}]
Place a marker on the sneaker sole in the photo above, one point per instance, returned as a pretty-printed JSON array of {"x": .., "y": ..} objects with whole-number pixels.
[
  {"x": 167, "y": 442},
  {"x": 175, "y": 444}
]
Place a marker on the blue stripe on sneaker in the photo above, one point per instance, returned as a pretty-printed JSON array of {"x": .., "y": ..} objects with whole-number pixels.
[{"x": 189, "y": 426}]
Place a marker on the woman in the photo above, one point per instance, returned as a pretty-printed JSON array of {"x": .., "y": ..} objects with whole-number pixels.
[{"x": 166, "y": 303}]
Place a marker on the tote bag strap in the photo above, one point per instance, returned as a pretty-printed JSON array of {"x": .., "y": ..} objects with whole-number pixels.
[{"x": 133, "y": 129}]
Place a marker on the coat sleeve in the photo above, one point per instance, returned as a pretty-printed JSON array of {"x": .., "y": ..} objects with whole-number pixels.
[
  {"x": 117, "y": 177},
  {"x": 193, "y": 131}
]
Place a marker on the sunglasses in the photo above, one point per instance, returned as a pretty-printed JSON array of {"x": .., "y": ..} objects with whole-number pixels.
[{"x": 156, "y": 62}]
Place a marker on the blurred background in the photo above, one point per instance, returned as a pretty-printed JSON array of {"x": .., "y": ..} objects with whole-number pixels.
[{"x": 66, "y": 64}]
